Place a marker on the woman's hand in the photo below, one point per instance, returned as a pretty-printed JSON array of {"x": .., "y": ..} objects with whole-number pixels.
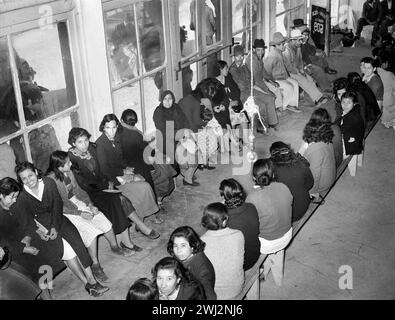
[
  {"x": 53, "y": 234},
  {"x": 31, "y": 250},
  {"x": 94, "y": 210},
  {"x": 2, "y": 253},
  {"x": 86, "y": 215},
  {"x": 110, "y": 185},
  {"x": 42, "y": 235}
]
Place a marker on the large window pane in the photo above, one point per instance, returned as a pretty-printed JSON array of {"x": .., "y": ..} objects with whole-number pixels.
[
  {"x": 8, "y": 108},
  {"x": 211, "y": 20},
  {"x": 187, "y": 17},
  {"x": 241, "y": 14},
  {"x": 151, "y": 34},
  {"x": 189, "y": 78},
  {"x": 244, "y": 38},
  {"x": 122, "y": 44},
  {"x": 153, "y": 89},
  {"x": 45, "y": 71},
  {"x": 128, "y": 97}
]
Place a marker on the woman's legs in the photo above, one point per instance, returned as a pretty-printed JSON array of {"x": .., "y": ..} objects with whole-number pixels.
[
  {"x": 76, "y": 268},
  {"x": 92, "y": 249},
  {"x": 139, "y": 223},
  {"x": 112, "y": 240}
]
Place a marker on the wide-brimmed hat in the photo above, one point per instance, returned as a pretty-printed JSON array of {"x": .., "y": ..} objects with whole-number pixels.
[
  {"x": 299, "y": 23},
  {"x": 296, "y": 34},
  {"x": 278, "y": 38},
  {"x": 259, "y": 43},
  {"x": 238, "y": 49}
]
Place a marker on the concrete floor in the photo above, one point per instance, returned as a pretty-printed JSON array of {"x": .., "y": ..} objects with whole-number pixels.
[{"x": 355, "y": 227}]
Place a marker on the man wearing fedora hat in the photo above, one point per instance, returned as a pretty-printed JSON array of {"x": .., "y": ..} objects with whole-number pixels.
[
  {"x": 309, "y": 50},
  {"x": 263, "y": 79},
  {"x": 295, "y": 66},
  {"x": 275, "y": 66},
  {"x": 263, "y": 96}
]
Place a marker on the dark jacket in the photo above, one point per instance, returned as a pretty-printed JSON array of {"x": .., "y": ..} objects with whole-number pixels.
[
  {"x": 245, "y": 218},
  {"x": 353, "y": 131},
  {"x": 299, "y": 180},
  {"x": 191, "y": 290},
  {"x": 202, "y": 269},
  {"x": 110, "y": 157},
  {"x": 372, "y": 13},
  {"x": 385, "y": 11},
  {"x": 191, "y": 108}
]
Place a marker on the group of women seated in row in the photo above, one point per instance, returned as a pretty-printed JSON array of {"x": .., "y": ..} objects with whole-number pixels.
[{"x": 90, "y": 190}]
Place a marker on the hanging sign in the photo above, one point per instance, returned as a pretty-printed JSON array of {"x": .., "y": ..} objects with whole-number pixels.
[{"x": 318, "y": 23}]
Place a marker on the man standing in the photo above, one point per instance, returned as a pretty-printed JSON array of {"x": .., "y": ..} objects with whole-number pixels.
[
  {"x": 264, "y": 98},
  {"x": 295, "y": 66},
  {"x": 370, "y": 16},
  {"x": 262, "y": 78},
  {"x": 275, "y": 66}
]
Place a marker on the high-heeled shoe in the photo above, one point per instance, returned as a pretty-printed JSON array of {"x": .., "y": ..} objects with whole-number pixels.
[{"x": 135, "y": 248}]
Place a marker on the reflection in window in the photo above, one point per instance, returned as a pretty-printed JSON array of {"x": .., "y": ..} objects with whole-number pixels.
[
  {"x": 45, "y": 72},
  {"x": 187, "y": 18},
  {"x": 189, "y": 79},
  {"x": 9, "y": 120},
  {"x": 11, "y": 153},
  {"x": 282, "y": 21},
  {"x": 243, "y": 38},
  {"x": 130, "y": 29},
  {"x": 43, "y": 142},
  {"x": 241, "y": 14},
  {"x": 153, "y": 89},
  {"x": 212, "y": 65}
]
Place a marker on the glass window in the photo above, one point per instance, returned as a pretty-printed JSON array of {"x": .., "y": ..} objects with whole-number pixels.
[
  {"x": 45, "y": 71},
  {"x": 11, "y": 152},
  {"x": 128, "y": 97},
  {"x": 187, "y": 17},
  {"x": 151, "y": 34},
  {"x": 211, "y": 21},
  {"x": 9, "y": 120},
  {"x": 211, "y": 64},
  {"x": 243, "y": 38},
  {"x": 241, "y": 14},
  {"x": 189, "y": 78},
  {"x": 153, "y": 89},
  {"x": 122, "y": 44}
]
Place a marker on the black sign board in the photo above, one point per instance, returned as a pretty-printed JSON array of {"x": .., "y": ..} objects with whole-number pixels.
[{"x": 318, "y": 26}]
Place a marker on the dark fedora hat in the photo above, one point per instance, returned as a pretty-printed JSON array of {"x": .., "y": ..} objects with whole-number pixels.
[
  {"x": 299, "y": 23},
  {"x": 238, "y": 50},
  {"x": 259, "y": 43}
]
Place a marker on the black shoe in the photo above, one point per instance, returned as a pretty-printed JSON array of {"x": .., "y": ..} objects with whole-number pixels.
[
  {"x": 135, "y": 248},
  {"x": 193, "y": 184},
  {"x": 208, "y": 167},
  {"x": 201, "y": 167},
  {"x": 96, "y": 290},
  {"x": 98, "y": 272},
  {"x": 330, "y": 71}
]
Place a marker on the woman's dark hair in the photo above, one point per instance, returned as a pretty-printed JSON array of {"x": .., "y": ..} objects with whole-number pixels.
[
  {"x": 57, "y": 159},
  {"x": 20, "y": 167},
  {"x": 76, "y": 133},
  {"x": 322, "y": 115},
  {"x": 190, "y": 235},
  {"x": 173, "y": 264},
  {"x": 8, "y": 186},
  {"x": 350, "y": 95},
  {"x": 263, "y": 172},
  {"x": 339, "y": 84},
  {"x": 317, "y": 131},
  {"x": 129, "y": 117},
  {"x": 282, "y": 154},
  {"x": 354, "y": 82},
  {"x": 381, "y": 59},
  {"x": 369, "y": 60},
  {"x": 108, "y": 118},
  {"x": 233, "y": 193},
  {"x": 213, "y": 90},
  {"x": 164, "y": 94},
  {"x": 221, "y": 64},
  {"x": 197, "y": 94},
  {"x": 143, "y": 289},
  {"x": 214, "y": 216}
]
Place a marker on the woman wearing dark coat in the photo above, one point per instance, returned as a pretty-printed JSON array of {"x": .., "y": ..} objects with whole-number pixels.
[
  {"x": 12, "y": 225},
  {"x": 244, "y": 217},
  {"x": 186, "y": 246},
  {"x": 293, "y": 170},
  {"x": 352, "y": 126}
]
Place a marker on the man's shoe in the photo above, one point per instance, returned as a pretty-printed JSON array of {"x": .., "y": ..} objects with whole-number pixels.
[
  {"x": 208, "y": 167},
  {"x": 98, "y": 272},
  {"x": 193, "y": 184},
  {"x": 330, "y": 71},
  {"x": 96, "y": 290},
  {"x": 294, "y": 109}
]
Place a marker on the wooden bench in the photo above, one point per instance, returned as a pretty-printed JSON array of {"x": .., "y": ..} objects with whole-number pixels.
[{"x": 251, "y": 288}]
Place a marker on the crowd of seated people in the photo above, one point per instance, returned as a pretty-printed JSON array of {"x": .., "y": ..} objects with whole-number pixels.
[{"x": 106, "y": 187}]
